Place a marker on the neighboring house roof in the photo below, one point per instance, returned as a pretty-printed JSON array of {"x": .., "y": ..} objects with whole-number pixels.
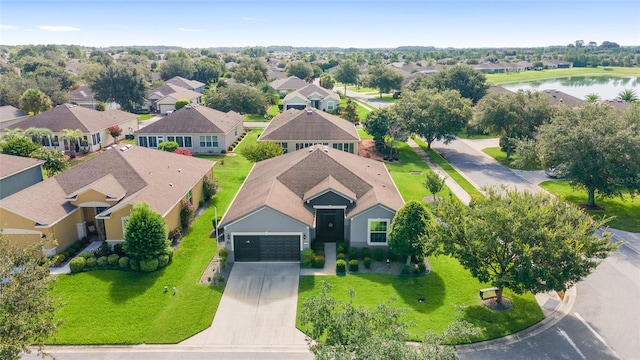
[
  {"x": 11, "y": 165},
  {"x": 194, "y": 119},
  {"x": 559, "y": 97},
  {"x": 8, "y": 113},
  {"x": 183, "y": 94},
  {"x": 616, "y": 104},
  {"x": 157, "y": 177},
  {"x": 494, "y": 89},
  {"x": 82, "y": 94},
  {"x": 164, "y": 90},
  {"x": 289, "y": 83},
  {"x": 309, "y": 125},
  {"x": 67, "y": 116},
  {"x": 309, "y": 90},
  {"x": 282, "y": 183},
  {"x": 185, "y": 83}
]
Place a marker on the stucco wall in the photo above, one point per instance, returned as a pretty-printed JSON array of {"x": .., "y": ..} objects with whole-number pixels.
[
  {"x": 359, "y": 225},
  {"x": 66, "y": 231},
  {"x": 22, "y": 180},
  {"x": 113, "y": 225}
]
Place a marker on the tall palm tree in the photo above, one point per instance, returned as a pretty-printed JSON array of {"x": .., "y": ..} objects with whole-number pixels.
[
  {"x": 11, "y": 133},
  {"x": 628, "y": 95},
  {"x": 591, "y": 98},
  {"x": 72, "y": 136},
  {"x": 38, "y": 134}
]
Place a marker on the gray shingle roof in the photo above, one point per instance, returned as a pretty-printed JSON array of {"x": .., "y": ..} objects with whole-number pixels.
[
  {"x": 289, "y": 83},
  {"x": 8, "y": 113},
  {"x": 308, "y": 90},
  {"x": 10, "y": 165},
  {"x": 194, "y": 119},
  {"x": 559, "y": 97},
  {"x": 185, "y": 83},
  {"x": 309, "y": 125}
]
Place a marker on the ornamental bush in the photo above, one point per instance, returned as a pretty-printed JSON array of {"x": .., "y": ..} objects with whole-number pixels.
[
  {"x": 422, "y": 267},
  {"x": 378, "y": 254},
  {"x": 163, "y": 260},
  {"x": 113, "y": 259},
  {"x": 223, "y": 253},
  {"x": 340, "y": 249},
  {"x": 367, "y": 263},
  {"x": 341, "y": 256},
  {"x": 353, "y": 253},
  {"x": 406, "y": 270},
  {"x": 318, "y": 262},
  {"x": 91, "y": 262},
  {"x": 365, "y": 253},
  {"x": 307, "y": 258},
  {"x": 123, "y": 262},
  {"x": 145, "y": 234},
  {"x": 353, "y": 265},
  {"x": 148, "y": 265},
  {"x": 169, "y": 252},
  {"x": 102, "y": 261},
  {"x": 187, "y": 211},
  {"x": 134, "y": 264},
  {"x": 57, "y": 259},
  {"x": 341, "y": 266},
  {"x": 86, "y": 254},
  {"x": 77, "y": 264}
]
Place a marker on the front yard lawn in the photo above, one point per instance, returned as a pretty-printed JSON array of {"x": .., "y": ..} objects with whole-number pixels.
[
  {"x": 255, "y": 118},
  {"x": 626, "y": 212},
  {"x": 446, "y": 288},
  {"x": 501, "y": 157},
  {"x": 116, "y": 307}
]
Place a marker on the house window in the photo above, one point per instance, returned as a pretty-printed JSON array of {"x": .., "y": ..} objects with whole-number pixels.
[
  {"x": 142, "y": 141},
  {"x": 180, "y": 141},
  {"x": 95, "y": 138},
  {"x": 330, "y": 105},
  {"x": 303, "y": 145},
  {"x": 187, "y": 142},
  {"x": 348, "y": 147},
  {"x": 190, "y": 197},
  {"x": 124, "y": 226},
  {"x": 153, "y": 141},
  {"x": 208, "y": 141},
  {"x": 171, "y": 138},
  {"x": 285, "y": 147},
  {"x": 378, "y": 231}
]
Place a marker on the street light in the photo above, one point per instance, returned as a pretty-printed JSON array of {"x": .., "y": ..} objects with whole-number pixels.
[{"x": 215, "y": 208}]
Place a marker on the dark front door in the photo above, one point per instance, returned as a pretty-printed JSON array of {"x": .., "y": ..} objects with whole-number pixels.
[
  {"x": 247, "y": 248},
  {"x": 329, "y": 225}
]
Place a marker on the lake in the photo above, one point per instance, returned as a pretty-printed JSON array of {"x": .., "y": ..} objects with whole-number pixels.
[{"x": 579, "y": 86}]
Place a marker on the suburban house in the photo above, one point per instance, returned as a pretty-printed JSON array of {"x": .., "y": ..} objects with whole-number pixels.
[
  {"x": 168, "y": 103},
  {"x": 95, "y": 197},
  {"x": 10, "y": 115},
  {"x": 17, "y": 173},
  {"x": 163, "y": 98},
  {"x": 558, "y": 97},
  {"x": 287, "y": 85},
  {"x": 556, "y": 64},
  {"x": 197, "y": 128},
  {"x": 315, "y": 194},
  {"x": 85, "y": 97},
  {"x": 298, "y": 129},
  {"x": 311, "y": 96},
  {"x": 93, "y": 124},
  {"x": 192, "y": 85}
]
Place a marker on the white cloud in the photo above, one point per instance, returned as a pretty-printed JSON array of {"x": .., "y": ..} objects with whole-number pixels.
[
  {"x": 7, "y": 27},
  {"x": 189, "y": 30},
  {"x": 61, "y": 28}
]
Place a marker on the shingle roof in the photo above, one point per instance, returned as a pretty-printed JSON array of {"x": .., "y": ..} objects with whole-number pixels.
[
  {"x": 67, "y": 116},
  {"x": 289, "y": 83},
  {"x": 559, "y": 97},
  {"x": 165, "y": 89},
  {"x": 309, "y": 125},
  {"x": 8, "y": 113},
  {"x": 194, "y": 119},
  {"x": 494, "y": 89},
  {"x": 160, "y": 178},
  {"x": 182, "y": 94},
  {"x": 10, "y": 165},
  {"x": 281, "y": 183},
  {"x": 185, "y": 83},
  {"x": 83, "y": 94}
]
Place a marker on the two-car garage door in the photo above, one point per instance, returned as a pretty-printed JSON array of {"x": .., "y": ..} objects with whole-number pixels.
[{"x": 266, "y": 247}]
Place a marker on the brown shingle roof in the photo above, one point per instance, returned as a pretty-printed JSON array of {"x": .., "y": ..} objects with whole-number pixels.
[
  {"x": 165, "y": 89},
  {"x": 67, "y": 116},
  {"x": 185, "y": 83},
  {"x": 494, "y": 89},
  {"x": 290, "y": 83},
  {"x": 194, "y": 119},
  {"x": 308, "y": 90},
  {"x": 282, "y": 182},
  {"x": 309, "y": 125},
  {"x": 10, "y": 165},
  {"x": 559, "y": 97},
  {"x": 329, "y": 183},
  {"x": 8, "y": 113}
]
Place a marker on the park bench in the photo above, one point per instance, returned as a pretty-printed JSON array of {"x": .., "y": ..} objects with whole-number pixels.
[{"x": 488, "y": 293}]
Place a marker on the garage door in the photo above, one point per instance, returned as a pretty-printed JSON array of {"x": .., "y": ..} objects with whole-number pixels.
[
  {"x": 299, "y": 107},
  {"x": 267, "y": 248}
]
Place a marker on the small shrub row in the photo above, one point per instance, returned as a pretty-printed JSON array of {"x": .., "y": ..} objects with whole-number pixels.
[
  {"x": 353, "y": 265},
  {"x": 341, "y": 266},
  {"x": 306, "y": 258},
  {"x": 223, "y": 254},
  {"x": 88, "y": 261},
  {"x": 71, "y": 251}
]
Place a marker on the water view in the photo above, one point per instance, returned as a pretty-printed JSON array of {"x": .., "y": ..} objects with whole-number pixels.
[{"x": 579, "y": 86}]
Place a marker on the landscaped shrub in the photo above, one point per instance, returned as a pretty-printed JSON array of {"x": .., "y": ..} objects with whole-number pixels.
[
  {"x": 341, "y": 256},
  {"x": 103, "y": 250},
  {"x": 340, "y": 249},
  {"x": 163, "y": 260},
  {"x": 187, "y": 211},
  {"x": 77, "y": 264},
  {"x": 209, "y": 188},
  {"x": 57, "y": 259},
  {"x": 319, "y": 252},
  {"x": 102, "y": 261},
  {"x": 223, "y": 253},
  {"x": 174, "y": 235},
  {"x": 365, "y": 253},
  {"x": 415, "y": 270},
  {"x": 86, "y": 254},
  {"x": 91, "y": 262},
  {"x": 353, "y": 265},
  {"x": 307, "y": 258},
  {"x": 353, "y": 253},
  {"x": 169, "y": 252},
  {"x": 422, "y": 267},
  {"x": 119, "y": 249},
  {"x": 113, "y": 259},
  {"x": 169, "y": 146},
  {"x": 367, "y": 263},
  {"x": 343, "y": 245},
  {"x": 392, "y": 256},
  {"x": 123, "y": 262},
  {"x": 406, "y": 270},
  {"x": 134, "y": 264},
  {"x": 318, "y": 261},
  {"x": 341, "y": 266},
  {"x": 378, "y": 254},
  {"x": 148, "y": 265}
]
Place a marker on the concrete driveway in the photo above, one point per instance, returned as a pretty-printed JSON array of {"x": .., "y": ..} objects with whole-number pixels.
[{"x": 258, "y": 308}]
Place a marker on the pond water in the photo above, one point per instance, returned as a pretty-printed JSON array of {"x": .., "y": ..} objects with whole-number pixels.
[{"x": 579, "y": 86}]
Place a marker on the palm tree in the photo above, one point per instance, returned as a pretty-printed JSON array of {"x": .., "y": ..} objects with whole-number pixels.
[
  {"x": 72, "y": 136},
  {"x": 38, "y": 134},
  {"x": 591, "y": 98},
  {"x": 628, "y": 95},
  {"x": 11, "y": 133}
]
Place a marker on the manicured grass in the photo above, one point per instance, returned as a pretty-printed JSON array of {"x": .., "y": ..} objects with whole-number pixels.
[
  {"x": 144, "y": 117},
  {"x": 447, "y": 287},
  {"x": 465, "y": 135},
  {"x": 361, "y": 110},
  {"x": 116, "y": 307},
  {"x": 362, "y": 89},
  {"x": 255, "y": 118},
  {"x": 558, "y": 73},
  {"x": 461, "y": 180},
  {"x": 274, "y": 110},
  {"x": 626, "y": 212},
  {"x": 501, "y": 157},
  {"x": 363, "y": 134},
  {"x": 388, "y": 98}
]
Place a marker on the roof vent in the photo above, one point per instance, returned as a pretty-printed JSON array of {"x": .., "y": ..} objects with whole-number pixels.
[
  {"x": 310, "y": 148},
  {"x": 325, "y": 148},
  {"x": 309, "y": 112},
  {"x": 179, "y": 170},
  {"x": 187, "y": 107},
  {"x": 128, "y": 146},
  {"x": 170, "y": 184},
  {"x": 124, "y": 148}
]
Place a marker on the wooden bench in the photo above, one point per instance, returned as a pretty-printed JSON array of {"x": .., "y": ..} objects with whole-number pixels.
[{"x": 491, "y": 291}]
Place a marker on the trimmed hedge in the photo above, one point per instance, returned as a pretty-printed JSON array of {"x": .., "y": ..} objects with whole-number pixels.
[
  {"x": 365, "y": 253},
  {"x": 341, "y": 266},
  {"x": 123, "y": 262},
  {"x": 353, "y": 265},
  {"x": 341, "y": 256},
  {"x": 318, "y": 262},
  {"x": 102, "y": 261},
  {"x": 307, "y": 258},
  {"x": 353, "y": 253},
  {"x": 378, "y": 254},
  {"x": 113, "y": 259},
  {"x": 134, "y": 264},
  {"x": 77, "y": 264},
  {"x": 367, "y": 263},
  {"x": 163, "y": 260},
  {"x": 92, "y": 262},
  {"x": 148, "y": 265}
]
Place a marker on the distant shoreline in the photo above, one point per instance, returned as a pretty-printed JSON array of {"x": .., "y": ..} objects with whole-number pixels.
[{"x": 532, "y": 75}]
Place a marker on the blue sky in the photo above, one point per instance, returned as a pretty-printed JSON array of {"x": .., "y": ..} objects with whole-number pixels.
[{"x": 341, "y": 23}]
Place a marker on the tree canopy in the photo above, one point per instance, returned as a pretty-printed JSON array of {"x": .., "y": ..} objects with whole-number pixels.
[
  {"x": 124, "y": 84},
  {"x": 145, "y": 235},
  {"x": 326, "y": 81},
  {"x": 262, "y": 151},
  {"x": 384, "y": 79},
  {"x": 348, "y": 72},
  {"x": 18, "y": 145},
  {"x": 470, "y": 83},
  {"x": 237, "y": 97},
  {"x": 54, "y": 160},
  {"x": 521, "y": 241},
  {"x": 408, "y": 232},
  {"x": 350, "y": 112},
  {"x": 300, "y": 69},
  {"x": 177, "y": 66},
  {"x": 34, "y": 101},
  {"x": 251, "y": 71},
  {"x": 209, "y": 70}
]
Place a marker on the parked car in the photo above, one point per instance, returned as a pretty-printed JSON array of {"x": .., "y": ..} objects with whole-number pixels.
[{"x": 555, "y": 173}]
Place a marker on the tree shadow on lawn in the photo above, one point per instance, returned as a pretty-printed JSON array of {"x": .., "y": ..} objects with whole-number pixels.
[{"x": 126, "y": 285}]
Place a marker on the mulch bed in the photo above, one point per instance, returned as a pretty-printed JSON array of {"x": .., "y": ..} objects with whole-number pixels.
[
  {"x": 494, "y": 305},
  {"x": 367, "y": 148}
]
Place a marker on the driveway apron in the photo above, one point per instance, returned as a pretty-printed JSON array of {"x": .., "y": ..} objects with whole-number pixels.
[{"x": 258, "y": 306}]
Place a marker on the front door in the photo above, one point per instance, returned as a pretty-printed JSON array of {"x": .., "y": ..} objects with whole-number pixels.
[{"x": 329, "y": 225}]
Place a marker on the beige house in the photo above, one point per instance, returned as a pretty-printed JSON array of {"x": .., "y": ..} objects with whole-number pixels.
[
  {"x": 163, "y": 98},
  {"x": 94, "y": 198},
  {"x": 168, "y": 103},
  {"x": 197, "y": 128},
  {"x": 311, "y": 96}
]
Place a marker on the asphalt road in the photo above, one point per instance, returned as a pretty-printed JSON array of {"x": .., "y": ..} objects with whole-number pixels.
[{"x": 168, "y": 353}]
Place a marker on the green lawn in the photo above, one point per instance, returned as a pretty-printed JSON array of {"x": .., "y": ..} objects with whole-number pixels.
[
  {"x": 501, "y": 157},
  {"x": 446, "y": 288},
  {"x": 255, "y": 118},
  {"x": 558, "y": 73},
  {"x": 363, "y": 90},
  {"x": 465, "y": 135},
  {"x": 273, "y": 111},
  {"x": 116, "y": 307},
  {"x": 626, "y": 212},
  {"x": 144, "y": 117},
  {"x": 461, "y": 180},
  {"x": 361, "y": 110},
  {"x": 363, "y": 134}
]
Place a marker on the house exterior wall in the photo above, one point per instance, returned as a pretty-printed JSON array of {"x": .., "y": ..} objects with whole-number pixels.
[
  {"x": 224, "y": 140},
  {"x": 91, "y": 196},
  {"x": 66, "y": 230},
  {"x": 360, "y": 223},
  {"x": 291, "y": 145},
  {"x": 296, "y": 101},
  {"x": 22, "y": 180},
  {"x": 172, "y": 219},
  {"x": 328, "y": 104},
  {"x": 113, "y": 225},
  {"x": 22, "y": 231}
]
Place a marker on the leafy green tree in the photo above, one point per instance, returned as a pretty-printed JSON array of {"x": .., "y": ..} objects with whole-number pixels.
[
  {"x": 34, "y": 101},
  {"x": 101, "y": 57},
  {"x": 26, "y": 303},
  {"x": 270, "y": 94},
  {"x": 434, "y": 183},
  {"x": 254, "y": 52},
  {"x": 168, "y": 146},
  {"x": 18, "y": 145},
  {"x": 344, "y": 331},
  {"x": 145, "y": 233},
  {"x": 251, "y": 71},
  {"x": 181, "y": 103},
  {"x": 628, "y": 95},
  {"x": 471, "y": 83},
  {"x": 12, "y": 87},
  {"x": 408, "y": 232},
  {"x": 100, "y": 106},
  {"x": 121, "y": 83},
  {"x": 209, "y": 70},
  {"x": 348, "y": 72},
  {"x": 326, "y": 81},
  {"x": 237, "y": 97},
  {"x": 89, "y": 71},
  {"x": 177, "y": 66},
  {"x": 261, "y": 151},
  {"x": 434, "y": 115},
  {"x": 384, "y": 79},
  {"x": 54, "y": 160},
  {"x": 384, "y": 124},
  {"x": 73, "y": 136},
  {"x": 300, "y": 69},
  {"x": 521, "y": 241},
  {"x": 350, "y": 113},
  {"x": 512, "y": 115},
  {"x": 596, "y": 147}
]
